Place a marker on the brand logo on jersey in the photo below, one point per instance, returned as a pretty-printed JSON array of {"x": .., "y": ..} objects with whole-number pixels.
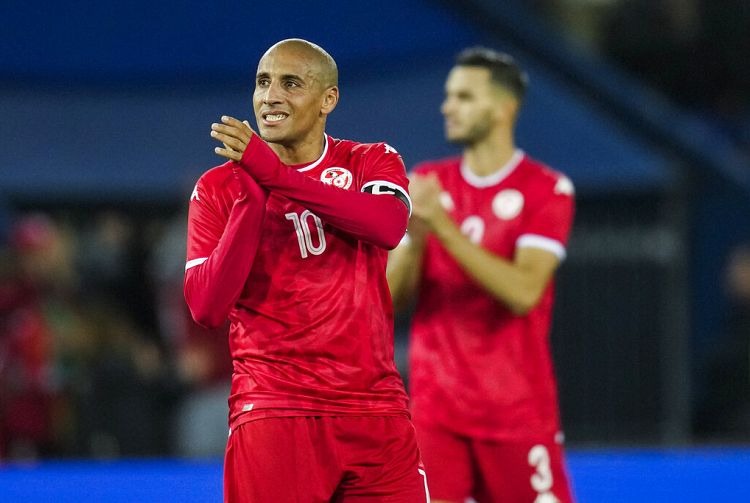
[
  {"x": 507, "y": 204},
  {"x": 194, "y": 195},
  {"x": 564, "y": 186},
  {"x": 338, "y": 177},
  {"x": 389, "y": 149}
]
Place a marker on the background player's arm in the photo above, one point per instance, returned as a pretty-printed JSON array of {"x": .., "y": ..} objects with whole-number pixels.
[
  {"x": 404, "y": 270},
  {"x": 518, "y": 284}
]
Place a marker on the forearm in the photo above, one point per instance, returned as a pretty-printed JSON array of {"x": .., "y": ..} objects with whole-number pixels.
[
  {"x": 515, "y": 286},
  {"x": 377, "y": 219},
  {"x": 212, "y": 287},
  {"x": 404, "y": 271}
]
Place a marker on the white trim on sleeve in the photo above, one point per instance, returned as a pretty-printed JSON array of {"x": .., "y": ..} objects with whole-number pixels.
[
  {"x": 542, "y": 242},
  {"x": 195, "y": 262}
]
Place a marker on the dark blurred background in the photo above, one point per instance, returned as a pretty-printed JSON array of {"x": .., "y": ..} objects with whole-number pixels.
[{"x": 106, "y": 109}]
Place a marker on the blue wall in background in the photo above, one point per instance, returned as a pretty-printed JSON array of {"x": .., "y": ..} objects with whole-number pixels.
[
  {"x": 612, "y": 476},
  {"x": 85, "y": 39},
  {"x": 115, "y": 100}
]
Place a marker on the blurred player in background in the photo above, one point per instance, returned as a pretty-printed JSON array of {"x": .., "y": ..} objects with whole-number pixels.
[
  {"x": 488, "y": 231},
  {"x": 289, "y": 240}
]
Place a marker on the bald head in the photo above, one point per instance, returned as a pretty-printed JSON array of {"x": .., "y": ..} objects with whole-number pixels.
[
  {"x": 295, "y": 91},
  {"x": 320, "y": 62}
]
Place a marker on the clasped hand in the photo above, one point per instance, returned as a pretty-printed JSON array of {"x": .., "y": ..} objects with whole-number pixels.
[
  {"x": 234, "y": 135},
  {"x": 426, "y": 193}
]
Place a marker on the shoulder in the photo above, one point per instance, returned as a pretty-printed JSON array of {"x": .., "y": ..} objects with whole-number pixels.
[
  {"x": 372, "y": 150},
  {"x": 370, "y": 158},
  {"x": 217, "y": 174},
  {"x": 213, "y": 182},
  {"x": 359, "y": 149},
  {"x": 540, "y": 175},
  {"x": 217, "y": 177}
]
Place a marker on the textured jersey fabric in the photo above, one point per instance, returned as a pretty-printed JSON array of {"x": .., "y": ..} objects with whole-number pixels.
[
  {"x": 475, "y": 367},
  {"x": 311, "y": 328}
]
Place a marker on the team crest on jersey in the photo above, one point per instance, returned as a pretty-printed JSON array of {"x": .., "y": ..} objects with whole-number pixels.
[
  {"x": 507, "y": 204},
  {"x": 338, "y": 177}
]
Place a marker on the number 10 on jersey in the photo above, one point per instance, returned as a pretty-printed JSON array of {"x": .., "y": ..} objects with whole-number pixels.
[{"x": 303, "y": 228}]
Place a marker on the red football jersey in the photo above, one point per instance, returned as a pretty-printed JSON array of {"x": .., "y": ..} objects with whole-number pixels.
[
  {"x": 312, "y": 331},
  {"x": 475, "y": 367}
]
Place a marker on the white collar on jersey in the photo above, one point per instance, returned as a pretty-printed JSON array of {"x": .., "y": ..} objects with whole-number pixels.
[
  {"x": 498, "y": 176},
  {"x": 320, "y": 159}
]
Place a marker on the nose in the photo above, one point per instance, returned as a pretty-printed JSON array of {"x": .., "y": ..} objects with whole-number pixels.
[
  {"x": 445, "y": 107},
  {"x": 272, "y": 94}
]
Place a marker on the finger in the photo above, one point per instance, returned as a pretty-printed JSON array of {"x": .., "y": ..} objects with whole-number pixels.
[
  {"x": 230, "y": 141},
  {"x": 229, "y": 154},
  {"x": 433, "y": 182},
  {"x": 243, "y": 135},
  {"x": 234, "y": 131},
  {"x": 228, "y": 119},
  {"x": 242, "y": 125},
  {"x": 418, "y": 187},
  {"x": 432, "y": 178}
]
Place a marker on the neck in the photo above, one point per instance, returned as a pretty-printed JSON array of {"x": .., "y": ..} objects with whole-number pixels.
[
  {"x": 302, "y": 152},
  {"x": 490, "y": 154}
]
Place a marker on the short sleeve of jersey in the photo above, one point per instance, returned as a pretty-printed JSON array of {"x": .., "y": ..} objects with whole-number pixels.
[
  {"x": 549, "y": 224},
  {"x": 384, "y": 172}
]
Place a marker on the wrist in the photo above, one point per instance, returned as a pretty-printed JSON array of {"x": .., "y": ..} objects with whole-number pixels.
[{"x": 259, "y": 161}]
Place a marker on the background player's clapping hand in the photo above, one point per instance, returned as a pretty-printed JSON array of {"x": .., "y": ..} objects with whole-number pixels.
[
  {"x": 426, "y": 191},
  {"x": 234, "y": 135}
]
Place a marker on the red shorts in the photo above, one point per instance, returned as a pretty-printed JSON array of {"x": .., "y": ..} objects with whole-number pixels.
[
  {"x": 320, "y": 459},
  {"x": 514, "y": 472}
]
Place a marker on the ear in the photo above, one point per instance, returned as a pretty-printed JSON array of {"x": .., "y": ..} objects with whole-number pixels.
[
  {"x": 507, "y": 110},
  {"x": 330, "y": 100}
]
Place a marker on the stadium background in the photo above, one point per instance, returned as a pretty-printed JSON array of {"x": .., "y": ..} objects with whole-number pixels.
[{"x": 104, "y": 129}]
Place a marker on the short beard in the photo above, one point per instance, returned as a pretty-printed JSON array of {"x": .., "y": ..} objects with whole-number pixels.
[{"x": 476, "y": 134}]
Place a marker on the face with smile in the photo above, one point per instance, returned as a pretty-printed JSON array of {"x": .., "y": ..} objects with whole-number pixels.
[{"x": 295, "y": 90}]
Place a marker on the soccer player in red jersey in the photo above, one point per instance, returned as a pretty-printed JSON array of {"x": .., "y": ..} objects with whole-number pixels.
[
  {"x": 487, "y": 233},
  {"x": 289, "y": 239}
]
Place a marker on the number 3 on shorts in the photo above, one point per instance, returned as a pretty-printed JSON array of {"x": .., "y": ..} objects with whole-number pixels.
[{"x": 541, "y": 481}]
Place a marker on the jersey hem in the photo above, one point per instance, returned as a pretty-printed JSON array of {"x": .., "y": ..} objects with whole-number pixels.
[{"x": 255, "y": 415}]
